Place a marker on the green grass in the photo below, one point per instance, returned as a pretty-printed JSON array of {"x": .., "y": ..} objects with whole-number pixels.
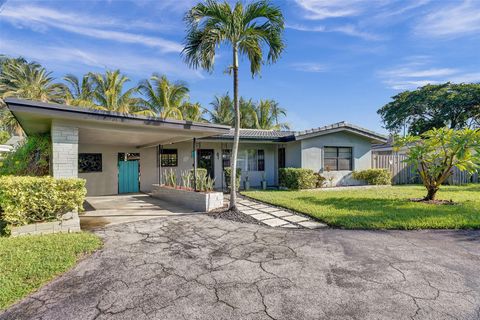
[
  {"x": 383, "y": 208},
  {"x": 28, "y": 262}
]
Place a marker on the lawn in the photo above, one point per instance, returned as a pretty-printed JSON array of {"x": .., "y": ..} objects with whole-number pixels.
[
  {"x": 28, "y": 262},
  {"x": 383, "y": 208}
]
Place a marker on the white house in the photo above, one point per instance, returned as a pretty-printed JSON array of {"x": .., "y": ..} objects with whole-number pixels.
[{"x": 118, "y": 153}]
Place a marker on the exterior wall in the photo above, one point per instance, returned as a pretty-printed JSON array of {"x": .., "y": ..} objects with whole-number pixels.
[
  {"x": 293, "y": 154},
  {"x": 185, "y": 161},
  {"x": 312, "y": 155},
  {"x": 106, "y": 182},
  {"x": 64, "y": 150}
]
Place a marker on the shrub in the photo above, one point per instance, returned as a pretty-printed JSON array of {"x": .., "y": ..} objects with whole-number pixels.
[
  {"x": 31, "y": 158},
  {"x": 374, "y": 176},
  {"x": 320, "y": 180},
  {"x": 297, "y": 178},
  {"x": 25, "y": 200},
  {"x": 228, "y": 174},
  {"x": 4, "y": 136}
]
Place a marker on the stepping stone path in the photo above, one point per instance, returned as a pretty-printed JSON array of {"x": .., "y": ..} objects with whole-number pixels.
[{"x": 276, "y": 217}]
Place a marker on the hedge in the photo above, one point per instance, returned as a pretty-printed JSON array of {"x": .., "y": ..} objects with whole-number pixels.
[
  {"x": 374, "y": 176},
  {"x": 228, "y": 174},
  {"x": 25, "y": 200},
  {"x": 31, "y": 158},
  {"x": 297, "y": 178}
]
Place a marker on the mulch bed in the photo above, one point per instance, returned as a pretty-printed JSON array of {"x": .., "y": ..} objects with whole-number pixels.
[
  {"x": 233, "y": 216},
  {"x": 437, "y": 202}
]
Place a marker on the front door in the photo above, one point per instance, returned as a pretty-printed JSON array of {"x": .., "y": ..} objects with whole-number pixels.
[
  {"x": 206, "y": 161},
  {"x": 128, "y": 181}
]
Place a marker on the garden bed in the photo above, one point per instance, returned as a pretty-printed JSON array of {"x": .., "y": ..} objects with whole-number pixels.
[{"x": 198, "y": 201}]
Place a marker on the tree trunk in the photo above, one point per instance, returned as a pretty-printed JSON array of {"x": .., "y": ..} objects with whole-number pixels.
[
  {"x": 233, "y": 176},
  {"x": 432, "y": 191}
]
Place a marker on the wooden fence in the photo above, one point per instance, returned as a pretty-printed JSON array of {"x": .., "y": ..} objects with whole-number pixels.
[{"x": 403, "y": 173}]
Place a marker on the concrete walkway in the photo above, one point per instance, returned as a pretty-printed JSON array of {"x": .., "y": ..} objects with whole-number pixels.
[
  {"x": 106, "y": 210},
  {"x": 276, "y": 217}
]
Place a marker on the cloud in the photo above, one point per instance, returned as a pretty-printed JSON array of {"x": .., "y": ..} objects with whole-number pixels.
[
  {"x": 349, "y": 30},
  {"x": 324, "y": 9},
  {"x": 309, "y": 67},
  {"x": 417, "y": 72},
  {"x": 72, "y": 59},
  {"x": 39, "y": 19},
  {"x": 451, "y": 21}
]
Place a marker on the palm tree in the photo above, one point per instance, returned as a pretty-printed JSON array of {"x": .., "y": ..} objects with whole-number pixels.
[
  {"x": 248, "y": 116},
  {"x": 246, "y": 30},
  {"x": 27, "y": 80},
  {"x": 110, "y": 95},
  {"x": 268, "y": 113},
  {"x": 193, "y": 112},
  {"x": 163, "y": 96},
  {"x": 79, "y": 94},
  {"x": 222, "y": 112}
]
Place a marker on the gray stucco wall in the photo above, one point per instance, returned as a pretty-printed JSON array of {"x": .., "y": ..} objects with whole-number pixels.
[{"x": 312, "y": 154}]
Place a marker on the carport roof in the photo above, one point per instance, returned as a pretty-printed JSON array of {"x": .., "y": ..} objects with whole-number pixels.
[{"x": 106, "y": 127}]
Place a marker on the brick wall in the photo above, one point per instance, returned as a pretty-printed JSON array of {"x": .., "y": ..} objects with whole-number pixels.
[{"x": 64, "y": 150}]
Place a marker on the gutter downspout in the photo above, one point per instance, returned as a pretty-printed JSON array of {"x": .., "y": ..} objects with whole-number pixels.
[{"x": 194, "y": 153}]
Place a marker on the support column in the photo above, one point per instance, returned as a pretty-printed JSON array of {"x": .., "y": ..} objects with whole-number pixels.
[
  {"x": 194, "y": 153},
  {"x": 64, "y": 150}
]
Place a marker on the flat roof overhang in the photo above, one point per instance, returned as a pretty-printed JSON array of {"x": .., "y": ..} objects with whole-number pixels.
[{"x": 109, "y": 128}]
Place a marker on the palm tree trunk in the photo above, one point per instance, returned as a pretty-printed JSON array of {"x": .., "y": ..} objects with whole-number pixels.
[{"x": 236, "y": 137}]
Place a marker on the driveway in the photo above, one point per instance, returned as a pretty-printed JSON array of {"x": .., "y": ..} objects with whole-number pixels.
[{"x": 197, "y": 267}]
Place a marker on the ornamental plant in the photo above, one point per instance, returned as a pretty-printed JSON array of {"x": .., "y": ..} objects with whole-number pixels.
[{"x": 436, "y": 152}]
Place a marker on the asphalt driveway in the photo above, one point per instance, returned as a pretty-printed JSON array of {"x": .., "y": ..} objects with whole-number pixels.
[{"x": 196, "y": 267}]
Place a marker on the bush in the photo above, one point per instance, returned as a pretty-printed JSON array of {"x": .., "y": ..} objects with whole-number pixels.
[
  {"x": 25, "y": 200},
  {"x": 228, "y": 174},
  {"x": 374, "y": 176},
  {"x": 31, "y": 158},
  {"x": 320, "y": 180},
  {"x": 297, "y": 178}
]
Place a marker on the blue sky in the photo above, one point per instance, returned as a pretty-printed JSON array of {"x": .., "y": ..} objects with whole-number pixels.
[{"x": 344, "y": 58}]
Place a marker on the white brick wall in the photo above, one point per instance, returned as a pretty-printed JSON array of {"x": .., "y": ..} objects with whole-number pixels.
[{"x": 64, "y": 151}]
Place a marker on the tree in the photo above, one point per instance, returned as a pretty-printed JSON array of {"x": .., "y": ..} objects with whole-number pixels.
[
  {"x": 28, "y": 80},
  {"x": 450, "y": 105},
  {"x": 246, "y": 30},
  {"x": 110, "y": 95},
  {"x": 268, "y": 113},
  {"x": 79, "y": 94},
  {"x": 222, "y": 112},
  {"x": 163, "y": 96},
  {"x": 193, "y": 112},
  {"x": 436, "y": 152}
]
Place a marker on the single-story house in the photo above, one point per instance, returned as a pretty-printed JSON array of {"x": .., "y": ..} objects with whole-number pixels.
[{"x": 119, "y": 153}]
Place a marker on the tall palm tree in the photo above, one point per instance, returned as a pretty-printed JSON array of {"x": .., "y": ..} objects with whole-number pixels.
[
  {"x": 110, "y": 95},
  {"x": 222, "y": 112},
  {"x": 163, "y": 96},
  {"x": 268, "y": 113},
  {"x": 248, "y": 116},
  {"x": 27, "y": 80},
  {"x": 79, "y": 94},
  {"x": 246, "y": 30}
]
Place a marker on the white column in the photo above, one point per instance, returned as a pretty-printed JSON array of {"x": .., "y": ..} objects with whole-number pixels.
[{"x": 64, "y": 150}]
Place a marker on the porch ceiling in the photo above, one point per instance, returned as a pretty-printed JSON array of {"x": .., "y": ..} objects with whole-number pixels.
[{"x": 102, "y": 127}]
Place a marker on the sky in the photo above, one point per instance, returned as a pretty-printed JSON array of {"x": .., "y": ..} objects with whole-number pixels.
[{"x": 344, "y": 59}]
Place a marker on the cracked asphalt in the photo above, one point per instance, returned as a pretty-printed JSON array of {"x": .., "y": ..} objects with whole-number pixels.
[{"x": 197, "y": 267}]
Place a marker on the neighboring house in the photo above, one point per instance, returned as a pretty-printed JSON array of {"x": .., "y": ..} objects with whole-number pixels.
[
  {"x": 119, "y": 153},
  {"x": 10, "y": 145}
]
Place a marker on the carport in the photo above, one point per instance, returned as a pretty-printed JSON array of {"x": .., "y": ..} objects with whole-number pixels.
[{"x": 115, "y": 153}]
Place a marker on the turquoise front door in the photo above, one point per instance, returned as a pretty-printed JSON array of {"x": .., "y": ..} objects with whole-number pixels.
[{"x": 128, "y": 176}]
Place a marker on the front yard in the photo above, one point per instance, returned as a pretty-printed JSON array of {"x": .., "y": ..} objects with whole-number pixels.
[
  {"x": 26, "y": 263},
  {"x": 382, "y": 207}
]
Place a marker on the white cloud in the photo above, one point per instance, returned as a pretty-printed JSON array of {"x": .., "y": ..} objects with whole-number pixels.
[
  {"x": 451, "y": 21},
  {"x": 309, "y": 67},
  {"x": 40, "y": 19},
  {"x": 72, "y": 59},
  {"x": 417, "y": 72},
  {"x": 349, "y": 30},
  {"x": 324, "y": 9}
]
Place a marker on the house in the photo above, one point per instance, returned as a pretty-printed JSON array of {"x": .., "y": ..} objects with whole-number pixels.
[{"x": 118, "y": 153}]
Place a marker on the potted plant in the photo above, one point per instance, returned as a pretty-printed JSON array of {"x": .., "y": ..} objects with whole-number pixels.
[
  {"x": 264, "y": 181},
  {"x": 246, "y": 183}
]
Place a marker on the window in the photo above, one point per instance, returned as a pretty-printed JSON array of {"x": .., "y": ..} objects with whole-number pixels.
[
  {"x": 247, "y": 160},
  {"x": 226, "y": 153},
  {"x": 122, "y": 156},
  {"x": 169, "y": 157},
  {"x": 89, "y": 162},
  {"x": 281, "y": 157},
  {"x": 337, "y": 158}
]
